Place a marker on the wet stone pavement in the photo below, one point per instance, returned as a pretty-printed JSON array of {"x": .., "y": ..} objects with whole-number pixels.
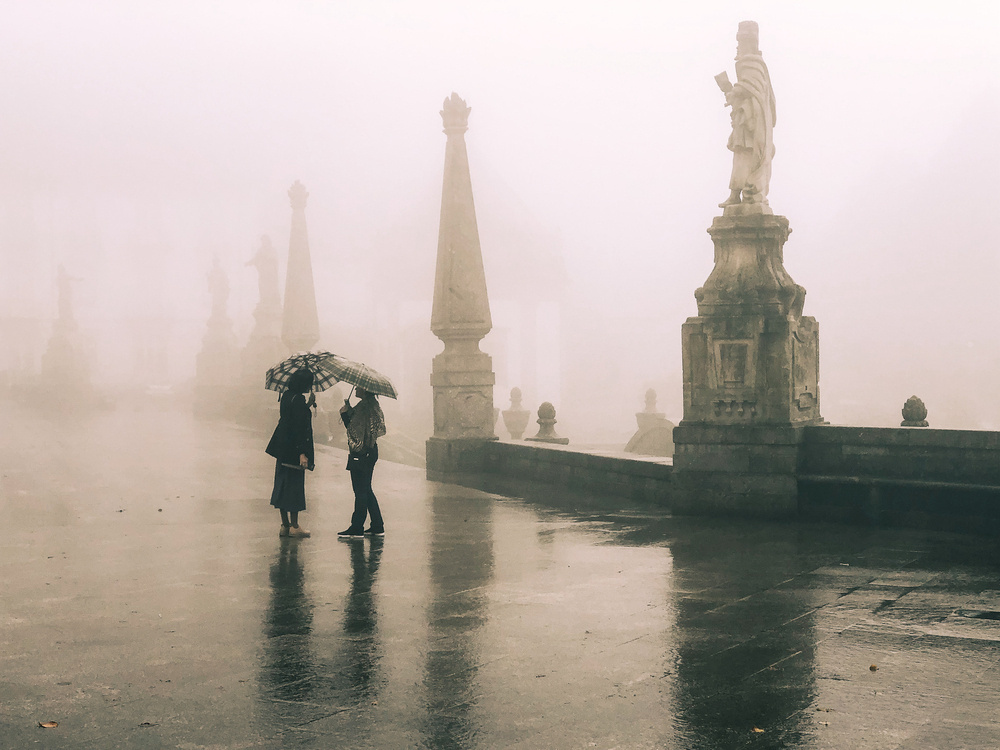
[{"x": 148, "y": 602}]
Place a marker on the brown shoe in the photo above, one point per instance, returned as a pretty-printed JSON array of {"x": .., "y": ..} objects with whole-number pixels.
[{"x": 298, "y": 531}]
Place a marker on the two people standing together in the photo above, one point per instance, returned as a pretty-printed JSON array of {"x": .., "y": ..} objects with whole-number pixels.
[{"x": 291, "y": 445}]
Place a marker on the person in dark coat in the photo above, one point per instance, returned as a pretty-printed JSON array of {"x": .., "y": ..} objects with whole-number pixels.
[
  {"x": 292, "y": 447},
  {"x": 365, "y": 424}
]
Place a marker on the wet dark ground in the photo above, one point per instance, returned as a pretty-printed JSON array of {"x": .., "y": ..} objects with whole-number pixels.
[{"x": 147, "y": 602}]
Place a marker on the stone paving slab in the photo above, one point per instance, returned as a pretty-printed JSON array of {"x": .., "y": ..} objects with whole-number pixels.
[{"x": 146, "y": 601}]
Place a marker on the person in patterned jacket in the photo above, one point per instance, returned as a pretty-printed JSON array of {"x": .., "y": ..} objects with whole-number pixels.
[{"x": 365, "y": 424}]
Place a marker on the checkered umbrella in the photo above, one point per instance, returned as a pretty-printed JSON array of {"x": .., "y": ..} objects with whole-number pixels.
[
  {"x": 323, "y": 377},
  {"x": 327, "y": 369},
  {"x": 361, "y": 376}
]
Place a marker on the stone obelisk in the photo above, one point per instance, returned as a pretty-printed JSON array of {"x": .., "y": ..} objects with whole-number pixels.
[
  {"x": 217, "y": 369},
  {"x": 462, "y": 375},
  {"x": 300, "y": 321},
  {"x": 264, "y": 347},
  {"x": 750, "y": 357}
]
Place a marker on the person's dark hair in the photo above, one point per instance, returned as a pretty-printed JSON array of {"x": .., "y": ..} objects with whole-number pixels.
[{"x": 300, "y": 381}]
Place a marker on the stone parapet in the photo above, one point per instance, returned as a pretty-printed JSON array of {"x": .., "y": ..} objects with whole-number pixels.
[
  {"x": 885, "y": 453},
  {"x": 617, "y": 476},
  {"x": 738, "y": 470},
  {"x": 448, "y": 457}
]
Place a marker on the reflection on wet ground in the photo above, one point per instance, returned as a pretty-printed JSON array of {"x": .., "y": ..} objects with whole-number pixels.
[{"x": 149, "y": 602}]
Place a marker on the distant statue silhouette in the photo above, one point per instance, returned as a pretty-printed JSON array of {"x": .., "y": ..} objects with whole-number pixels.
[
  {"x": 266, "y": 263},
  {"x": 218, "y": 285}
]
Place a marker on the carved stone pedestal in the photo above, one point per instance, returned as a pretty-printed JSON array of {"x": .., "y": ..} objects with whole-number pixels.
[
  {"x": 463, "y": 393},
  {"x": 751, "y": 375}
]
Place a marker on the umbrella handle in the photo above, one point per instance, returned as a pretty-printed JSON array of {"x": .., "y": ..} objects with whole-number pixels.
[{"x": 348, "y": 399}]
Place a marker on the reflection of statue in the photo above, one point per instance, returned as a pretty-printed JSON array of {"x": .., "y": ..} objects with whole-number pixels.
[
  {"x": 218, "y": 285},
  {"x": 266, "y": 262},
  {"x": 753, "y": 117}
]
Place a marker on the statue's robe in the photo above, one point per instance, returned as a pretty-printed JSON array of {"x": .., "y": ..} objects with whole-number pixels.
[{"x": 753, "y": 117}]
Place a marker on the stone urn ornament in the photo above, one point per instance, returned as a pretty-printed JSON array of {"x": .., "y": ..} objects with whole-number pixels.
[
  {"x": 515, "y": 419},
  {"x": 914, "y": 413}
]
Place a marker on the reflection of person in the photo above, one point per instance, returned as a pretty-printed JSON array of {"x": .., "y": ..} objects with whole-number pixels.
[
  {"x": 365, "y": 425},
  {"x": 753, "y": 117},
  {"x": 289, "y": 613},
  {"x": 362, "y": 647},
  {"x": 292, "y": 447}
]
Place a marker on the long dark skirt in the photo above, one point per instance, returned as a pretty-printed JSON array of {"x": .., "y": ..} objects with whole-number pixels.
[{"x": 289, "y": 493}]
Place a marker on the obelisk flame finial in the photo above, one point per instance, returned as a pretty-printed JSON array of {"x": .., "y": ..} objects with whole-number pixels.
[
  {"x": 298, "y": 195},
  {"x": 455, "y": 115}
]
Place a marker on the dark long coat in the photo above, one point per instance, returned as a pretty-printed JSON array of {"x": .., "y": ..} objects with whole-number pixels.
[{"x": 294, "y": 435}]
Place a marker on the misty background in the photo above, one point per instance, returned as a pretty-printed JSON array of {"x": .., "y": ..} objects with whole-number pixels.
[{"x": 141, "y": 140}]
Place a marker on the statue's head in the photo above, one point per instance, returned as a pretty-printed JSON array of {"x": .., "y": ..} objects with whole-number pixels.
[{"x": 747, "y": 38}]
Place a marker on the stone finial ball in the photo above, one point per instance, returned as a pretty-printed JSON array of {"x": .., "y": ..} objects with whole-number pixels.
[
  {"x": 546, "y": 411},
  {"x": 914, "y": 410},
  {"x": 515, "y": 395}
]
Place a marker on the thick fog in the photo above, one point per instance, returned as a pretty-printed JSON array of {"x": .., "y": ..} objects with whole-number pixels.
[{"x": 141, "y": 140}]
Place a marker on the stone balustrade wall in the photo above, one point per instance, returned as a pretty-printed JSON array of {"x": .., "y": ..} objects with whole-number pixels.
[
  {"x": 920, "y": 477},
  {"x": 915, "y": 477}
]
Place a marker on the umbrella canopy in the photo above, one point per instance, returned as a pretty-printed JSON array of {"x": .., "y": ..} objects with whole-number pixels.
[
  {"x": 327, "y": 369},
  {"x": 361, "y": 376},
  {"x": 277, "y": 377}
]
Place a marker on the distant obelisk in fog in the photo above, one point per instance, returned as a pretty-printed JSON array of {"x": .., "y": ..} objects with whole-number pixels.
[
  {"x": 265, "y": 347},
  {"x": 300, "y": 321},
  {"x": 462, "y": 375}
]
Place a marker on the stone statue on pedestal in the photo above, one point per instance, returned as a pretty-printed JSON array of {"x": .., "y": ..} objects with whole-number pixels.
[
  {"x": 217, "y": 364},
  {"x": 750, "y": 356},
  {"x": 218, "y": 286},
  {"x": 265, "y": 260},
  {"x": 753, "y": 118}
]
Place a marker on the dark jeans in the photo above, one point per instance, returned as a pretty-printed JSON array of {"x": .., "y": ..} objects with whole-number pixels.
[{"x": 365, "y": 502}]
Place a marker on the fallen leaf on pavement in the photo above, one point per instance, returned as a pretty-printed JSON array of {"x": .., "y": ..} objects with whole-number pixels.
[
  {"x": 48, "y": 724},
  {"x": 758, "y": 730},
  {"x": 873, "y": 667}
]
